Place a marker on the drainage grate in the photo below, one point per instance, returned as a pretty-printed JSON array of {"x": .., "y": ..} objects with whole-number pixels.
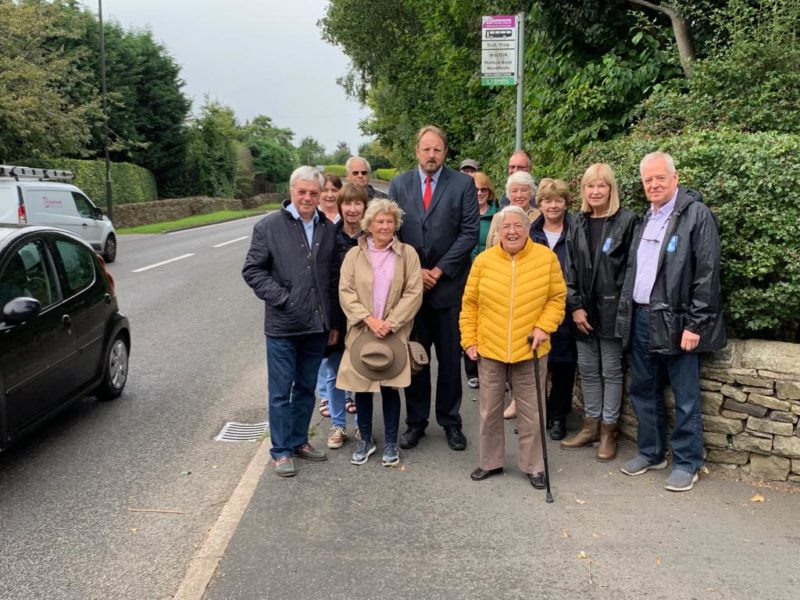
[{"x": 242, "y": 432}]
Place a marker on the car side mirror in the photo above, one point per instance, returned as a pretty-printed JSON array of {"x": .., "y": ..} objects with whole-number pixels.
[
  {"x": 21, "y": 309},
  {"x": 98, "y": 212}
]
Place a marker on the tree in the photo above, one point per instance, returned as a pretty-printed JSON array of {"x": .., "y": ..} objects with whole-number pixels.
[
  {"x": 310, "y": 152},
  {"x": 274, "y": 157},
  {"x": 341, "y": 154},
  {"x": 375, "y": 154},
  {"x": 38, "y": 115},
  {"x": 210, "y": 167}
]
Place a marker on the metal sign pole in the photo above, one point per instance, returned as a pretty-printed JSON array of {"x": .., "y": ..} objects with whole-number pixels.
[
  {"x": 104, "y": 87},
  {"x": 520, "y": 75}
]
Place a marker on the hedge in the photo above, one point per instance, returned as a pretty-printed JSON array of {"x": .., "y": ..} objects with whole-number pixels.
[
  {"x": 386, "y": 174},
  {"x": 752, "y": 183},
  {"x": 335, "y": 170},
  {"x": 129, "y": 183}
]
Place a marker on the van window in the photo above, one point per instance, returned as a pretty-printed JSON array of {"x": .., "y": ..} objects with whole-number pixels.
[
  {"x": 78, "y": 266},
  {"x": 85, "y": 208},
  {"x": 27, "y": 274}
]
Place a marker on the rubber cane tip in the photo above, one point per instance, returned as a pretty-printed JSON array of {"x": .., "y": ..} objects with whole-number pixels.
[{"x": 548, "y": 498}]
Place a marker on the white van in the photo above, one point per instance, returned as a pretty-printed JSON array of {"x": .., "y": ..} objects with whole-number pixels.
[{"x": 35, "y": 197}]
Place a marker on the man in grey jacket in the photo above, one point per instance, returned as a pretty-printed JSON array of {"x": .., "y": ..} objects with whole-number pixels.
[
  {"x": 670, "y": 313},
  {"x": 292, "y": 266}
]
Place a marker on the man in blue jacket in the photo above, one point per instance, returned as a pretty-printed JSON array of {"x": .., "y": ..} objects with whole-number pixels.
[
  {"x": 292, "y": 267},
  {"x": 441, "y": 224},
  {"x": 670, "y": 313}
]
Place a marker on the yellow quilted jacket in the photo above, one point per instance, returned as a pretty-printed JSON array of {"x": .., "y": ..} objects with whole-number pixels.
[{"x": 506, "y": 298}]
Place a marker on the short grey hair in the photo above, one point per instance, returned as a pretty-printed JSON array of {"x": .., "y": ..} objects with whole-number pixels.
[
  {"x": 382, "y": 205},
  {"x": 655, "y": 156},
  {"x": 513, "y": 210},
  {"x": 348, "y": 165},
  {"x": 306, "y": 173},
  {"x": 521, "y": 178}
]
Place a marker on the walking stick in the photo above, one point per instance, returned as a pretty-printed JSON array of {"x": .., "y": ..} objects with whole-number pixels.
[{"x": 548, "y": 496}]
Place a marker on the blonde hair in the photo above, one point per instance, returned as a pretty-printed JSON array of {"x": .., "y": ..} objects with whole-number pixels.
[
  {"x": 382, "y": 205},
  {"x": 483, "y": 180},
  {"x": 606, "y": 173}
]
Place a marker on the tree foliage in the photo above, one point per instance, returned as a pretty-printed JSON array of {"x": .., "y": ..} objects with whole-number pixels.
[
  {"x": 723, "y": 94},
  {"x": 310, "y": 152},
  {"x": 274, "y": 157},
  {"x": 211, "y": 159},
  {"x": 39, "y": 115}
]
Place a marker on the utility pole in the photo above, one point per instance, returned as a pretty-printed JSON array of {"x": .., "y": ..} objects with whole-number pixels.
[
  {"x": 104, "y": 87},
  {"x": 520, "y": 75}
]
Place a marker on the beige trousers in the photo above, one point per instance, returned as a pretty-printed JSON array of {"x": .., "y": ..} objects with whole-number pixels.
[{"x": 493, "y": 376}]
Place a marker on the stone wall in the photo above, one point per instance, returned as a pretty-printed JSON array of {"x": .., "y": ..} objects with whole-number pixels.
[
  {"x": 144, "y": 213},
  {"x": 750, "y": 400}
]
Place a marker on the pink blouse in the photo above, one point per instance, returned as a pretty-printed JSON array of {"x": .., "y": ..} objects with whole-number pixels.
[{"x": 383, "y": 273}]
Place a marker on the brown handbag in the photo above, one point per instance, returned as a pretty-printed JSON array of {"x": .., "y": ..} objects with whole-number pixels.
[{"x": 417, "y": 357}]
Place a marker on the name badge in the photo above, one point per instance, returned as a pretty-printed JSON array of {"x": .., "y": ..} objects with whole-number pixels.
[
  {"x": 673, "y": 244},
  {"x": 607, "y": 245}
]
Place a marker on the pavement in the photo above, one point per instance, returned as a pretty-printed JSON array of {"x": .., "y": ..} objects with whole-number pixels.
[{"x": 425, "y": 530}]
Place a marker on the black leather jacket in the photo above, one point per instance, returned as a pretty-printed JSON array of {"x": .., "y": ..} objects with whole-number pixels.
[
  {"x": 298, "y": 284},
  {"x": 594, "y": 282},
  {"x": 687, "y": 292}
]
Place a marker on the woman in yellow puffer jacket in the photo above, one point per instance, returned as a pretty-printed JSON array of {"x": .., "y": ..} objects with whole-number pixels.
[{"x": 513, "y": 301}]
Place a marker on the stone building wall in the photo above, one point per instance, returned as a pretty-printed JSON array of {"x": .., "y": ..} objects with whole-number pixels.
[{"x": 750, "y": 400}]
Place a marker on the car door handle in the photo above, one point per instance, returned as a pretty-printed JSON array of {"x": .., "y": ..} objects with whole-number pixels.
[
  {"x": 107, "y": 298},
  {"x": 66, "y": 321},
  {"x": 85, "y": 224}
]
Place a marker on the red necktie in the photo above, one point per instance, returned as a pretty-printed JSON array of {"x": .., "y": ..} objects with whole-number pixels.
[{"x": 426, "y": 198}]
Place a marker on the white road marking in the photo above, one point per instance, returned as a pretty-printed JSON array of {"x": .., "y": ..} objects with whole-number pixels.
[
  {"x": 163, "y": 262},
  {"x": 239, "y": 239}
]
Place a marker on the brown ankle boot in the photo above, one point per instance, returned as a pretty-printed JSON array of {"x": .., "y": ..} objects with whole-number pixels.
[
  {"x": 608, "y": 442},
  {"x": 587, "y": 436}
]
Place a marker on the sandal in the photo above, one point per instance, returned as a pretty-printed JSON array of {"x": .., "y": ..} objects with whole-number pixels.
[
  {"x": 323, "y": 408},
  {"x": 350, "y": 406}
]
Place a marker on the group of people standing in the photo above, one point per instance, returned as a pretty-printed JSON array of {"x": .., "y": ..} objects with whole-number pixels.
[{"x": 512, "y": 284}]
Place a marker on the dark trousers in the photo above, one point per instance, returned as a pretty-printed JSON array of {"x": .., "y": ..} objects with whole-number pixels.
[
  {"x": 437, "y": 328},
  {"x": 470, "y": 367},
  {"x": 391, "y": 414},
  {"x": 562, "y": 380}
]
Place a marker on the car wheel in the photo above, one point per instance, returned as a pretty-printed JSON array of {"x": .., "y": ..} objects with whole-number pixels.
[
  {"x": 116, "y": 370},
  {"x": 110, "y": 250}
]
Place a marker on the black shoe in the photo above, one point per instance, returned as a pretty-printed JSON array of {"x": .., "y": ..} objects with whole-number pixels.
[
  {"x": 559, "y": 429},
  {"x": 411, "y": 438},
  {"x": 479, "y": 474},
  {"x": 537, "y": 480},
  {"x": 455, "y": 439}
]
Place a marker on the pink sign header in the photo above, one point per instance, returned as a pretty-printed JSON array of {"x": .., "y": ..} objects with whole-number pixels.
[{"x": 499, "y": 21}]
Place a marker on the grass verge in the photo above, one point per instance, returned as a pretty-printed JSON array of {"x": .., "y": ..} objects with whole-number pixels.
[{"x": 220, "y": 216}]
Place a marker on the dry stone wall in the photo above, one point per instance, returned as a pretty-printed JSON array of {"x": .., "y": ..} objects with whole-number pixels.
[{"x": 750, "y": 400}]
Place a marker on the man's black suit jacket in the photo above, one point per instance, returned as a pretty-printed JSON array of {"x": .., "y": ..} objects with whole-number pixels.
[{"x": 445, "y": 234}]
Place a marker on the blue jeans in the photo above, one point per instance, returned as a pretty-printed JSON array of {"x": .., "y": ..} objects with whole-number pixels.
[
  {"x": 650, "y": 374},
  {"x": 391, "y": 414},
  {"x": 336, "y": 397},
  {"x": 292, "y": 367},
  {"x": 322, "y": 379}
]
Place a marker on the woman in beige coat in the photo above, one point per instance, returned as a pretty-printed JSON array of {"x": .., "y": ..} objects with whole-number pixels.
[{"x": 380, "y": 292}]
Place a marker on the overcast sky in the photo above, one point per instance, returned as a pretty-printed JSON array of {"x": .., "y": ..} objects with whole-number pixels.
[{"x": 256, "y": 56}]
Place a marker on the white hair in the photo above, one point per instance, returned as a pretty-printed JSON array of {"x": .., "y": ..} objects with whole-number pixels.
[
  {"x": 521, "y": 178},
  {"x": 352, "y": 159},
  {"x": 655, "y": 156},
  {"x": 306, "y": 173},
  {"x": 514, "y": 210}
]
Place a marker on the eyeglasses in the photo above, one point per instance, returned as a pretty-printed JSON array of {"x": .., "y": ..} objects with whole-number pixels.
[
  {"x": 482, "y": 190},
  {"x": 359, "y": 172},
  {"x": 506, "y": 227},
  {"x": 519, "y": 167},
  {"x": 659, "y": 235}
]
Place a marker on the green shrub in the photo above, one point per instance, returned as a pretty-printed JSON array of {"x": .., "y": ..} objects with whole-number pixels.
[
  {"x": 129, "y": 183},
  {"x": 386, "y": 174},
  {"x": 335, "y": 170},
  {"x": 751, "y": 182}
]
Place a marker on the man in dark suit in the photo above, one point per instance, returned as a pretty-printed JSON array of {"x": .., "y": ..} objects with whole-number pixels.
[{"x": 441, "y": 223}]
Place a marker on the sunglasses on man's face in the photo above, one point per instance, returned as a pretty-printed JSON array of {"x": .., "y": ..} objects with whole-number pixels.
[{"x": 359, "y": 172}]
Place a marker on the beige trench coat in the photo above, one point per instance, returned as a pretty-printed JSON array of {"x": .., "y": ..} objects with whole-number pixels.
[{"x": 355, "y": 297}]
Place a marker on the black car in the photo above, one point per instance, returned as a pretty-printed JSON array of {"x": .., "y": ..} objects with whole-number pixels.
[{"x": 61, "y": 333}]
